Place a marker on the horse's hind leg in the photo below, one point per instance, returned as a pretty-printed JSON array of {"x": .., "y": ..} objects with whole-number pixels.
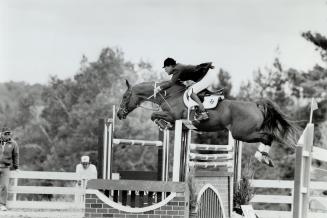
[{"x": 262, "y": 154}]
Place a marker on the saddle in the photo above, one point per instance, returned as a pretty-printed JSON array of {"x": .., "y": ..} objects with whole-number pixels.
[{"x": 209, "y": 99}]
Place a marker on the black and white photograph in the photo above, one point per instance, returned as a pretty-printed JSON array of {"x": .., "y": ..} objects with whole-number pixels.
[{"x": 163, "y": 108}]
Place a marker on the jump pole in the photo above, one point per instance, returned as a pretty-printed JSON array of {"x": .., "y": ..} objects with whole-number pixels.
[
  {"x": 302, "y": 173},
  {"x": 165, "y": 156},
  {"x": 181, "y": 152},
  {"x": 177, "y": 151},
  {"x": 185, "y": 159},
  {"x": 107, "y": 149},
  {"x": 107, "y": 140}
]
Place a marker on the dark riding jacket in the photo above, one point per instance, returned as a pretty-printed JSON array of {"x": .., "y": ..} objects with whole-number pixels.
[
  {"x": 9, "y": 154},
  {"x": 183, "y": 72}
]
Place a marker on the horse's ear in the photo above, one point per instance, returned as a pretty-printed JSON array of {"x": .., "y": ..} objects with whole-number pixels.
[{"x": 127, "y": 84}]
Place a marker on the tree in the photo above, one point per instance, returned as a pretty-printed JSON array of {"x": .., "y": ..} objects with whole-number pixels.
[
  {"x": 318, "y": 40},
  {"x": 73, "y": 107}
]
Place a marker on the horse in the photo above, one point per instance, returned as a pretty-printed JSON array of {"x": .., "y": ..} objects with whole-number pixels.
[{"x": 261, "y": 121}]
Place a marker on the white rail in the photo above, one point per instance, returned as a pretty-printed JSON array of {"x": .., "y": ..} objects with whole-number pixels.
[
  {"x": 286, "y": 198},
  {"x": 76, "y": 193},
  {"x": 218, "y": 157},
  {"x": 209, "y": 147},
  {"x": 210, "y": 164}
]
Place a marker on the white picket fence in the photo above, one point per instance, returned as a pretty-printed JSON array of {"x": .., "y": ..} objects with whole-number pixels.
[
  {"x": 70, "y": 197},
  {"x": 286, "y": 198}
]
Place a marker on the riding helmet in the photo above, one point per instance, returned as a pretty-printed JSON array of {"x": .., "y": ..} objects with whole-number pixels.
[{"x": 169, "y": 62}]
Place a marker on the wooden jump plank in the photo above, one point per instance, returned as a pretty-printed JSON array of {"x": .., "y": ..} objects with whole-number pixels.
[
  {"x": 273, "y": 199},
  {"x": 318, "y": 185},
  {"x": 317, "y": 215},
  {"x": 318, "y": 203},
  {"x": 210, "y": 164},
  {"x": 206, "y": 147},
  {"x": 137, "y": 142},
  {"x": 44, "y": 205},
  {"x": 273, "y": 214},
  {"x": 319, "y": 154},
  {"x": 42, "y": 214},
  {"x": 221, "y": 157},
  {"x": 120, "y": 207},
  {"x": 256, "y": 183},
  {"x": 44, "y": 175},
  {"x": 136, "y": 185},
  {"x": 318, "y": 174},
  {"x": 45, "y": 190},
  {"x": 285, "y": 214}
]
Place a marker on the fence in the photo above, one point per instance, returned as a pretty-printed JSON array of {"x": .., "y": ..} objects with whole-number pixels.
[
  {"x": 73, "y": 193},
  {"x": 285, "y": 199}
]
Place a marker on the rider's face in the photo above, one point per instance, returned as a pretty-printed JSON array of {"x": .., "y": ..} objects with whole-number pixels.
[{"x": 169, "y": 69}]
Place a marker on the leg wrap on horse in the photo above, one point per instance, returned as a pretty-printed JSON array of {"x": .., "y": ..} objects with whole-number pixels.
[{"x": 262, "y": 155}]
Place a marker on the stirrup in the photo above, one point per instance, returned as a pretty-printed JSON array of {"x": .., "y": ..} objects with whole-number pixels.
[{"x": 204, "y": 116}]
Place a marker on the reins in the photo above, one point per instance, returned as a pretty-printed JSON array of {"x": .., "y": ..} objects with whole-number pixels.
[{"x": 163, "y": 98}]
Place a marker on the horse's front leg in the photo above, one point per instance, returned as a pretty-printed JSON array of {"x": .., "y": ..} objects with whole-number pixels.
[{"x": 163, "y": 119}]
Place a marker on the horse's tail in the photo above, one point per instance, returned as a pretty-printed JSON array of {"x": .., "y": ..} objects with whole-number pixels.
[{"x": 283, "y": 130}]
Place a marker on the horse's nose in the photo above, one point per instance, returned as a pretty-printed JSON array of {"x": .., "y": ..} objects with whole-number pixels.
[{"x": 119, "y": 114}]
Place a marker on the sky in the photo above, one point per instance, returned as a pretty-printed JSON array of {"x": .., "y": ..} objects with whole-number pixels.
[{"x": 39, "y": 38}]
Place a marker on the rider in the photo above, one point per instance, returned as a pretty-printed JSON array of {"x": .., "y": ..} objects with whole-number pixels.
[{"x": 197, "y": 73}]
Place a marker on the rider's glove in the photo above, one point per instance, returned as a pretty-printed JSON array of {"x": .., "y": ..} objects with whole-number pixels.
[{"x": 157, "y": 89}]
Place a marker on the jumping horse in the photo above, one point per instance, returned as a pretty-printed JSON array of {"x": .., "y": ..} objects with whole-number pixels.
[{"x": 251, "y": 122}]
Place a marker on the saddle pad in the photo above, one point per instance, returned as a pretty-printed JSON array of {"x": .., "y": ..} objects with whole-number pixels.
[{"x": 209, "y": 102}]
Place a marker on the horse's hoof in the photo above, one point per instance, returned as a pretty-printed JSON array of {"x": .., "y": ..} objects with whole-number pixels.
[
  {"x": 271, "y": 163},
  {"x": 161, "y": 124},
  {"x": 169, "y": 126},
  {"x": 266, "y": 160},
  {"x": 195, "y": 122}
]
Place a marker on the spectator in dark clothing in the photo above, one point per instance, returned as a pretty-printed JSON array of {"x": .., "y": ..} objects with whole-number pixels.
[{"x": 9, "y": 157}]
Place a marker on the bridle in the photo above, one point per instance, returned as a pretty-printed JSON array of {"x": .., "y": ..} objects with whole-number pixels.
[{"x": 125, "y": 111}]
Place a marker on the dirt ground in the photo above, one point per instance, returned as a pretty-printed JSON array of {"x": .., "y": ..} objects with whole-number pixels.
[{"x": 41, "y": 214}]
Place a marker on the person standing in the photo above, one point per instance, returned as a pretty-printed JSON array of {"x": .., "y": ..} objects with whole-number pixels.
[
  {"x": 9, "y": 157},
  {"x": 86, "y": 171}
]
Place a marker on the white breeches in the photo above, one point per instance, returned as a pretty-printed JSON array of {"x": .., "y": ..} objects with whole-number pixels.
[{"x": 208, "y": 81}]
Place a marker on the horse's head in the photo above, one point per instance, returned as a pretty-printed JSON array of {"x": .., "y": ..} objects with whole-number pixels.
[
  {"x": 129, "y": 102},
  {"x": 134, "y": 96}
]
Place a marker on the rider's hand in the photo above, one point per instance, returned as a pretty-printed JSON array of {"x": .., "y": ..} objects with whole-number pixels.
[{"x": 157, "y": 89}]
